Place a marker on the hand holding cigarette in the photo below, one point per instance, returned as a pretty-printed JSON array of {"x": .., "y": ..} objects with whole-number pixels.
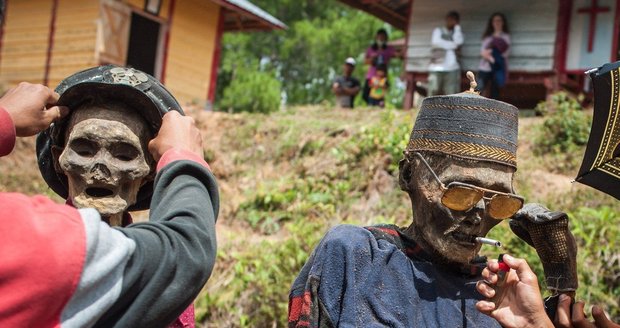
[{"x": 512, "y": 294}]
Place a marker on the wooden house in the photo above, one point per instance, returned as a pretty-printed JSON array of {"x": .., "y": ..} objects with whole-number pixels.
[
  {"x": 177, "y": 41},
  {"x": 553, "y": 41}
]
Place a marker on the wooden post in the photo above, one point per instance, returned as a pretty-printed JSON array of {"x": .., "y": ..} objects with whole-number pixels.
[{"x": 408, "y": 102}]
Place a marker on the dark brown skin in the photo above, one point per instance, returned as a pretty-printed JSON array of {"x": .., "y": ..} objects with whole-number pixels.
[{"x": 434, "y": 224}]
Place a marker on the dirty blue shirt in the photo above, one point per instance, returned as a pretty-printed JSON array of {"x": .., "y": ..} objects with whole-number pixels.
[{"x": 378, "y": 277}]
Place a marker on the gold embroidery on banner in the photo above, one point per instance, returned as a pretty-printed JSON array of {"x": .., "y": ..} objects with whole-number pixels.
[
  {"x": 464, "y": 149},
  {"x": 612, "y": 167},
  {"x": 611, "y": 136}
]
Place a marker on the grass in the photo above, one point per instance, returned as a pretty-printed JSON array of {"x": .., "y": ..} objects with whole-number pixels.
[
  {"x": 319, "y": 167},
  {"x": 286, "y": 178}
]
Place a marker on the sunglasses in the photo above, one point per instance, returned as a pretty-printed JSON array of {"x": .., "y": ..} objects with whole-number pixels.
[{"x": 459, "y": 196}]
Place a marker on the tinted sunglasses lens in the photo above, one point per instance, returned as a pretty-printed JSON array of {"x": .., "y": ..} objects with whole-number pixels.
[
  {"x": 502, "y": 207},
  {"x": 460, "y": 198}
]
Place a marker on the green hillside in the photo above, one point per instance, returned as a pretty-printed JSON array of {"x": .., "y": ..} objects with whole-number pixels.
[{"x": 287, "y": 177}]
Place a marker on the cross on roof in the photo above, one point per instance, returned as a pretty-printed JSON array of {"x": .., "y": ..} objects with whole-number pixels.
[{"x": 592, "y": 11}]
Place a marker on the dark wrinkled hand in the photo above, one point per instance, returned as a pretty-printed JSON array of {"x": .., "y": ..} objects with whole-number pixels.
[
  {"x": 27, "y": 104},
  {"x": 547, "y": 231},
  {"x": 578, "y": 319}
]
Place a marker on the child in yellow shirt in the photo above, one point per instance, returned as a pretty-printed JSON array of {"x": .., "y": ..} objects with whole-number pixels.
[{"x": 378, "y": 87}]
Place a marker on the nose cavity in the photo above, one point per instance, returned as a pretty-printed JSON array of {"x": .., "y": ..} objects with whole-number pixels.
[
  {"x": 100, "y": 172},
  {"x": 474, "y": 216}
]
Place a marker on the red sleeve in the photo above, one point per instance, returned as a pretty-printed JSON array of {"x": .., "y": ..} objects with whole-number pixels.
[
  {"x": 7, "y": 133},
  {"x": 173, "y": 154},
  {"x": 43, "y": 248}
]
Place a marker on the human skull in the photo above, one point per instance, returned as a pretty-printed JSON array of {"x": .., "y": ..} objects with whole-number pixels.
[
  {"x": 105, "y": 159},
  {"x": 435, "y": 227}
]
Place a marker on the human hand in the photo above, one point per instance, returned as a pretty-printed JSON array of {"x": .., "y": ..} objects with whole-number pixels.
[
  {"x": 487, "y": 54},
  {"x": 548, "y": 232},
  {"x": 578, "y": 319},
  {"x": 179, "y": 132},
  {"x": 27, "y": 105},
  {"x": 521, "y": 303}
]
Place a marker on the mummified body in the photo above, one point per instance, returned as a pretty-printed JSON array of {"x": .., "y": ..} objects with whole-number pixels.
[{"x": 105, "y": 158}]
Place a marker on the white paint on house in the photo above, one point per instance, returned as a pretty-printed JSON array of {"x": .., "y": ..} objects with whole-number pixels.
[
  {"x": 532, "y": 26},
  {"x": 578, "y": 57}
]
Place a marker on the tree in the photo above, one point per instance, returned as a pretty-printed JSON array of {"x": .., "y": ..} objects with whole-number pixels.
[{"x": 307, "y": 56}]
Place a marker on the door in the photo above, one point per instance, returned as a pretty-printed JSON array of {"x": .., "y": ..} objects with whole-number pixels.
[
  {"x": 144, "y": 44},
  {"x": 129, "y": 37}
]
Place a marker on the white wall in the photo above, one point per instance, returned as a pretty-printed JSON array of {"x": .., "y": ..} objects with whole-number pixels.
[
  {"x": 532, "y": 26},
  {"x": 578, "y": 57}
]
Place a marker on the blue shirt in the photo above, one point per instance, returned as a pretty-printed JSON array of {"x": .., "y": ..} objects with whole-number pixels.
[{"x": 378, "y": 277}]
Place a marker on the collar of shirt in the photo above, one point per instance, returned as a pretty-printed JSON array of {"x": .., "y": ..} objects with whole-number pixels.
[{"x": 394, "y": 235}]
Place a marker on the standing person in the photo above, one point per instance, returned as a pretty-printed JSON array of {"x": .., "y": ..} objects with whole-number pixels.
[
  {"x": 494, "y": 51},
  {"x": 379, "y": 53},
  {"x": 444, "y": 71},
  {"x": 346, "y": 87},
  {"x": 378, "y": 87}
]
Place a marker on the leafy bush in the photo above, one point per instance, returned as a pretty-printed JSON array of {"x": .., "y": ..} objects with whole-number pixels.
[
  {"x": 565, "y": 127},
  {"x": 252, "y": 90},
  {"x": 386, "y": 137},
  {"x": 564, "y": 132}
]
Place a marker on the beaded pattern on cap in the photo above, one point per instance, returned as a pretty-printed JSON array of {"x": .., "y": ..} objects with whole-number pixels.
[{"x": 469, "y": 126}]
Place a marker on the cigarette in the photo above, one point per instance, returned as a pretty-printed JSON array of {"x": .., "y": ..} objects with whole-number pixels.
[{"x": 488, "y": 241}]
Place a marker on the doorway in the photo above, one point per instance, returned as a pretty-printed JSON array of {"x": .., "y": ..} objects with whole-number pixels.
[{"x": 144, "y": 52}]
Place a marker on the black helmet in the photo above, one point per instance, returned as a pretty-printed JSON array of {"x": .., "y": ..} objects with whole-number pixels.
[{"x": 140, "y": 91}]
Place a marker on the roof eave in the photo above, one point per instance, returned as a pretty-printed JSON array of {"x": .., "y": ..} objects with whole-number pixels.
[{"x": 263, "y": 24}]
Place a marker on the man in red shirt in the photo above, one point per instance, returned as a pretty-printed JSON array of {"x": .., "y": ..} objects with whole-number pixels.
[{"x": 65, "y": 267}]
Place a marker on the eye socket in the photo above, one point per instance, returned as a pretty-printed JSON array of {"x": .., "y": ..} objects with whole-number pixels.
[
  {"x": 125, "y": 152},
  {"x": 84, "y": 147}
]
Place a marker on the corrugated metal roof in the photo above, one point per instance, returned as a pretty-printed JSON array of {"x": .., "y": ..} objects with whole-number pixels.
[{"x": 257, "y": 11}]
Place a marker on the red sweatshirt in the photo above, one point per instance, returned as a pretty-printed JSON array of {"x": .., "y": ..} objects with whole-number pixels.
[{"x": 63, "y": 267}]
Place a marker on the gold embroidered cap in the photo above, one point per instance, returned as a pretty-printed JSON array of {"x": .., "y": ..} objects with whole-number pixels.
[{"x": 467, "y": 125}]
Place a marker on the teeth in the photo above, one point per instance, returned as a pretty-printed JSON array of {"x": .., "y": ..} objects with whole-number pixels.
[{"x": 462, "y": 237}]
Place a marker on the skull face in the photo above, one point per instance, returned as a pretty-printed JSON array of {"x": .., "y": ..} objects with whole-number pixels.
[
  {"x": 105, "y": 159},
  {"x": 435, "y": 227}
]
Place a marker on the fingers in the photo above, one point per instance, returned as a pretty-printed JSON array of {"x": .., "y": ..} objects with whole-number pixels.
[
  {"x": 490, "y": 276},
  {"x": 485, "y": 289},
  {"x": 601, "y": 320},
  {"x": 485, "y": 307},
  {"x": 562, "y": 315},
  {"x": 578, "y": 315},
  {"x": 53, "y": 97},
  {"x": 525, "y": 274},
  {"x": 153, "y": 149},
  {"x": 26, "y": 104},
  {"x": 179, "y": 132}
]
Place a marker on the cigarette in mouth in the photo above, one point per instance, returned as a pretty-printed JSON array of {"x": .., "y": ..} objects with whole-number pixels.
[{"x": 488, "y": 241}]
